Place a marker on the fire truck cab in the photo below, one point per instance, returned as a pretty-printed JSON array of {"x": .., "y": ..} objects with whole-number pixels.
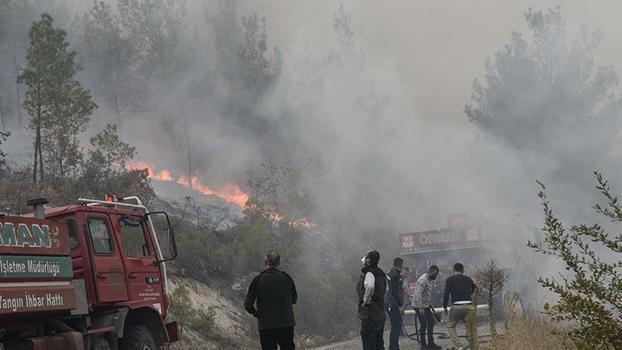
[{"x": 86, "y": 276}]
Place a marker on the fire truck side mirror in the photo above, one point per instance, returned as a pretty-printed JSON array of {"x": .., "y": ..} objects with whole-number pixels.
[{"x": 163, "y": 233}]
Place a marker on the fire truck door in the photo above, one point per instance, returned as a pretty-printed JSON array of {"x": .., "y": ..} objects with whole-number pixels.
[
  {"x": 108, "y": 264},
  {"x": 144, "y": 280}
]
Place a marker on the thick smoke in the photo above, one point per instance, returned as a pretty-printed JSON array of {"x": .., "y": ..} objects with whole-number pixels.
[
  {"x": 376, "y": 161},
  {"x": 383, "y": 143}
]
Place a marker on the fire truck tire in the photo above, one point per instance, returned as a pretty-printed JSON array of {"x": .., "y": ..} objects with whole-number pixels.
[
  {"x": 137, "y": 338},
  {"x": 100, "y": 343}
]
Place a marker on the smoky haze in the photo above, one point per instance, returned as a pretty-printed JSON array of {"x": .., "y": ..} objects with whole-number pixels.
[
  {"x": 369, "y": 103},
  {"x": 367, "y": 99},
  {"x": 419, "y": 158}
]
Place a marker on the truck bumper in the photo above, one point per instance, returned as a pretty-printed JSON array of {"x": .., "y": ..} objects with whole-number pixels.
[{"x": 173, "y": 331}]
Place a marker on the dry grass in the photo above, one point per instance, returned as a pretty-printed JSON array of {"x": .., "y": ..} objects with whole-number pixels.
[{"x": 526, "y": 334}]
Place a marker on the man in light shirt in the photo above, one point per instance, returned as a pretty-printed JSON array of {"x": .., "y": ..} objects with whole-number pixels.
[
  {"x": 371, "y": 288},
  {"x": 421, "y": 303}
]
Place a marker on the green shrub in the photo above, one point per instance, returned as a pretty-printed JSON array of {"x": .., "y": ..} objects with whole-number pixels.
[
  {"x": 183, "y": 312},
  {"x": 590, "y": 291},
  {"x": 181, "y": 305}
]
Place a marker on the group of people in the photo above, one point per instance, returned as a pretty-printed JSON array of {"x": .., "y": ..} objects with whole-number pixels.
[
  {"x": 272, "y": 294},
  {"x": 379, "y": 292}
]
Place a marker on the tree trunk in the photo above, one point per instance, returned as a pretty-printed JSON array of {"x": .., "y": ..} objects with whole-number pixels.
[
  {"x": 61, "y": 170},
  {"x": 188, "y": 154},
  {"x": 61, "y": 147},
  {"x": 2, "y": 115},
  {"x": 117, "y": 112},
  {"x": 492, "y": 318},
  {"x": 40, "y": 154},
  {"x": 18, "y": 104},
  {"x": 38, "y": 162},
  {"x": 472, "y": 325},
  {"x": 473, "y": 339},
  {"x": 35, "y": 162}
]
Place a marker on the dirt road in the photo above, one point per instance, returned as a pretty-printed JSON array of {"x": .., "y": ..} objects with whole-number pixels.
[{"x": 441, "y": 337}]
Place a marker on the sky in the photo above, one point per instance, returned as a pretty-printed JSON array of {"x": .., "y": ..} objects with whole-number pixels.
[{"x": 438, "y": 46}]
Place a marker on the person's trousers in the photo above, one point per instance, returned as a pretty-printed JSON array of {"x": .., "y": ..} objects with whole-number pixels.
[
  {"x": 426, "y": 325},
  {"x": 396, "y": 328},
  {"x": 372, "y": 334},
  {"x": 458, "y": 313},
  {"x": 283, "y": 337}
]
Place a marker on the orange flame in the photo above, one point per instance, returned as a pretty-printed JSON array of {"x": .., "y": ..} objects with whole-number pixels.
[
  {"x": 297, "y": 223},
  {"x": 164, "y": 175},
  {"x": 230, "y": 192},
  {"x": 303, "y": 223}
]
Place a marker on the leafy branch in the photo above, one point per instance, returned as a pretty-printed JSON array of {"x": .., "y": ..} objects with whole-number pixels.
[{"x": 590, "y": 290}]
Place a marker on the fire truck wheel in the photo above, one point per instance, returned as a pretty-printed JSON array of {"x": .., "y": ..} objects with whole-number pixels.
[
  {"x": 137, "y": 338},
  {"x": 100, "y": 343}
]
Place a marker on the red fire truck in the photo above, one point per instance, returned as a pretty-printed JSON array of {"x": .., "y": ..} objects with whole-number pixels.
[{"x": 86, "y": 276}]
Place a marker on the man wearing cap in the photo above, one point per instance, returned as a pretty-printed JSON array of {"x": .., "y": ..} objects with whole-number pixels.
[
  {"x": 461, "y": 289},
  {"x": 371, "y": 288}
]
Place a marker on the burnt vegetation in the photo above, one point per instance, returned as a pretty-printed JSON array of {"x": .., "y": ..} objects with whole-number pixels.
[{"x": 490, "y": 279}]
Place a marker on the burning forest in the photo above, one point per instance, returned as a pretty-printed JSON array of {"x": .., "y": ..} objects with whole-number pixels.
[
  {"x": 229, "y": 193},
  {"x": 470, "y": 139}
]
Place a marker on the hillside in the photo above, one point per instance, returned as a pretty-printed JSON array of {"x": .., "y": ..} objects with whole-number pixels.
[
  {"x": 227, "y": 326},
  {"x": 231, "y": 327}
]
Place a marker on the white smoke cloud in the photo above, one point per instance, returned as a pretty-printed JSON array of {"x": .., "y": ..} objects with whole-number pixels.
[{"x": 377, "y": 127}]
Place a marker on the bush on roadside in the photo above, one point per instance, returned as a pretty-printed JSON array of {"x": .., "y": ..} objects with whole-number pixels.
[
  {"x": 526, "y": 334},
  {"x": 589, "y": 291},
  {"x": 182, "y": 310}
]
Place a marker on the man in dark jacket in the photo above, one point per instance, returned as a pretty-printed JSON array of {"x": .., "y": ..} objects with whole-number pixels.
[
  {"x": 461, "y": 289},
  {"x": 371, "y": 288},
  {"x": 394, "y": 302},
  {"x": 275, "y": 293}
]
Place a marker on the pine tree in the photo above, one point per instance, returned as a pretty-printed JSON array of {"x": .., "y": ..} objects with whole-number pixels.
[
  {"x": 58, "y": 106},
  {"x": 109, "y": 153},
  {"x": 110, "y": 59}
]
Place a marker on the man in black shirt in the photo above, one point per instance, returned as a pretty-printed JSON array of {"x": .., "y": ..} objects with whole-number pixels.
[
  {"x": 461, "y": 289},
  {"x": 275, "y": 293},
  {"x": 394, "y": 301}
]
